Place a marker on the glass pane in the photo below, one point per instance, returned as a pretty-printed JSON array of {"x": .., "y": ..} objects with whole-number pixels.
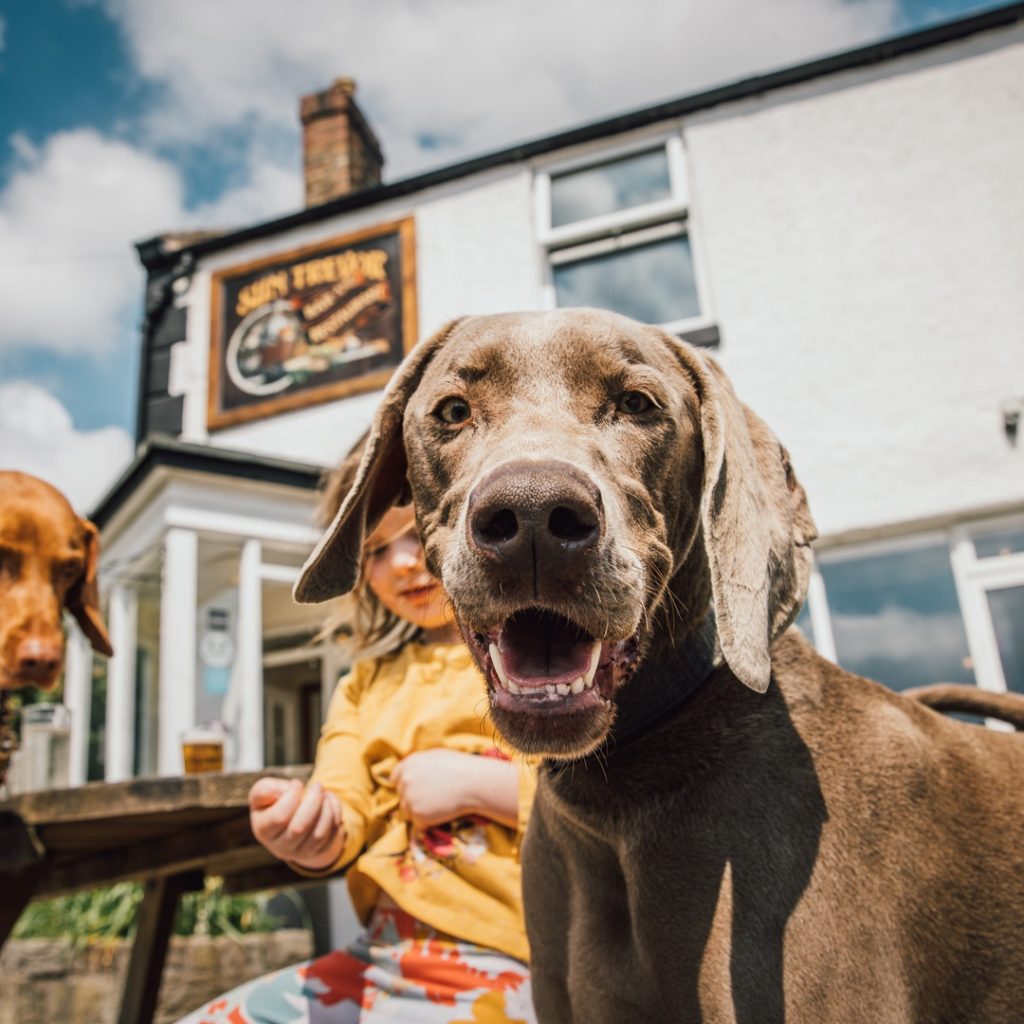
[
  {"x": 896, "y": 618},
  {"x": 617, "y": 185},
  {"x": 1007, "y": 607},
  {"x": 999, "y": 542},
  {"x": 652, "y": 283}
]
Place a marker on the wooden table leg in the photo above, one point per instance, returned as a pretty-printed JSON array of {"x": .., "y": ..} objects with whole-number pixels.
[
  {"x": 149, "y": 950},
  {"x": 21, "y": 856},
  {"x": 16, "y": 893}
]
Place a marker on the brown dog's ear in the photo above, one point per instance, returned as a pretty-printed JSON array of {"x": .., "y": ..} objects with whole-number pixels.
[
  {"x": 756, "y": 523},
  {"x": 83, "y": 598},
  {"x": 333, "y": 567}
]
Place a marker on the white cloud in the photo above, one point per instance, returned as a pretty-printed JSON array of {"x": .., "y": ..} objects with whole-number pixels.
[
  {"x": 469, "y": 74},
  {"x": 268, "y": 189},
  {"x": 70, "y": 280},
  {"x": 38, "y": 437},
  {"x": 67, "y": 219}
]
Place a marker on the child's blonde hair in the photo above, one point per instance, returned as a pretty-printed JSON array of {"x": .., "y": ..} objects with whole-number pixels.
[{"x": 376, "y": 632}]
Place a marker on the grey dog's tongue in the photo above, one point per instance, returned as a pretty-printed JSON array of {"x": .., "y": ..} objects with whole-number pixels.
[{"x": 538, "y": 645}]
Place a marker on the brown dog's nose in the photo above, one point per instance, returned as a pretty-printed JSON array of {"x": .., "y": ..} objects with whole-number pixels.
[
  {"x": 38, "y": 659},
  {"x": 527, "y": 512}
]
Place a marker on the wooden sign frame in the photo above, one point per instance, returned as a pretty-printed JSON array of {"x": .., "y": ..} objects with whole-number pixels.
[{"x": 312, "y": 324}]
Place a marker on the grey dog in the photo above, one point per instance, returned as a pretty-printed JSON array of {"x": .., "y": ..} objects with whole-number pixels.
[{"x": 728, "y": 828}]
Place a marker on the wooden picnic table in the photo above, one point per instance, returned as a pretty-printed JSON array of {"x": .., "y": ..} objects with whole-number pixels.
[{"x": 168, "y": 833}]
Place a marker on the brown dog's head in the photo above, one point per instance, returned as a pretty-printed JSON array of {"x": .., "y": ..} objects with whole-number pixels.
[
  {"x": 582, "y": 483},
  {"x": 48, "y": 562}
]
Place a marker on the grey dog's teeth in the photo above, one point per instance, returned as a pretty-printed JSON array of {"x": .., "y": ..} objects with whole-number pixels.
[
  {"x": 499, "y": 668},
  {"x": 578, "y": 685}
]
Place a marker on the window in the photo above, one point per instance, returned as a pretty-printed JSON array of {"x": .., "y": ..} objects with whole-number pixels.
[
  {"x": 989, "y": 561},
  {"x": 605, "y": 188},
  {"x": 942, "y": 607},
  {"x": 896, "y": 618},
  {"x": 616, "y": 232},
  {"x": 1006, "y": 605},
  {"x": 999, "y": 543}
]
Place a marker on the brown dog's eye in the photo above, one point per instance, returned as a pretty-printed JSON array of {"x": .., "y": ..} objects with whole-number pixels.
[
  {"x": 633, "y": 403},
  {"x": 453, "y": 411},
  {"x": 67, "y": 572}
]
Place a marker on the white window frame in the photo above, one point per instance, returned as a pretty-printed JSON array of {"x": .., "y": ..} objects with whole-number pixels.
[
  {"x": 622, "y": 229},
  {"x": 973, "y": 578}
]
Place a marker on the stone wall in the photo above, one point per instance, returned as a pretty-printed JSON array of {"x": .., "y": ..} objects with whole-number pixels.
[{"x": 47, "y": 980}]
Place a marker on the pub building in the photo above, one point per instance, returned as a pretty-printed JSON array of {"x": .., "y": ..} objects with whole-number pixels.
[{"x": 840, "y": 234}]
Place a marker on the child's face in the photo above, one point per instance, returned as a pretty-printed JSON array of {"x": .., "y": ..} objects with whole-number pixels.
[{"x": 396, "y": 573}]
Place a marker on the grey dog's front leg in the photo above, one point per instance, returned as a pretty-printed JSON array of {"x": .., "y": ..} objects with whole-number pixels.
[
  {"x": 550, "y": 998},
  {"x": 546, "y": 901}
]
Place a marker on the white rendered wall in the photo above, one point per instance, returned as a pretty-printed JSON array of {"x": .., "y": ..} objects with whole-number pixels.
[{"x": 864, "y": 241}]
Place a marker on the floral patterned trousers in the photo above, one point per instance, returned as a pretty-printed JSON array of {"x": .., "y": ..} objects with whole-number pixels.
[{"x": 399, "y": 970}]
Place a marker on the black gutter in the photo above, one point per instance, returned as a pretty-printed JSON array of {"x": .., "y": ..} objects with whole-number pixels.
[
  {"x": 153, "y": 255},
  {"x": 169, "y": 453}
]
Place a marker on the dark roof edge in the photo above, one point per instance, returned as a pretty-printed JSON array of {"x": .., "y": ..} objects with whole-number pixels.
[
  {"x": 168, "y": 452},
  {"x": 154, "y": 256}
]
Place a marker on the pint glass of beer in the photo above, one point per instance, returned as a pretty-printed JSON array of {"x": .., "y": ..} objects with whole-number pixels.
[{"x": 202, "y": 748}]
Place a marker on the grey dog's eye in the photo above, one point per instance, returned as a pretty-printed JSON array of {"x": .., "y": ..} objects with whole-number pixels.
[
  {"x": 633, "y": 403},
  {"x": 453, "y": 411}
]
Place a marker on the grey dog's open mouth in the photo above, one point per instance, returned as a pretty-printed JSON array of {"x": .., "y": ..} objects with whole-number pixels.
[{"x": 539, "y": 662}]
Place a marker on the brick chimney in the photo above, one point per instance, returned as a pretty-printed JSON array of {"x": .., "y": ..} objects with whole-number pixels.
[{"x": 340, "y": 152}]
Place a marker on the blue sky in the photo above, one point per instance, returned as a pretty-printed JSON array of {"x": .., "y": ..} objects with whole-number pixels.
[{"x": 123, "y": 118}]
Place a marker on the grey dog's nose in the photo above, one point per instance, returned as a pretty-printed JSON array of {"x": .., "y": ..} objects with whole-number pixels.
[{"x": 526, "y": 513}]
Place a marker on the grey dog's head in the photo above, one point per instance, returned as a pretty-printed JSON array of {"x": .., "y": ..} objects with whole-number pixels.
[{"x": 582, "y": 483}]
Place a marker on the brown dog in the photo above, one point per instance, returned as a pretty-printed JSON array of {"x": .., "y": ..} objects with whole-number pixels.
[
  {"x": 48, "y": 562},
  {"x": 728, "y": 828}
]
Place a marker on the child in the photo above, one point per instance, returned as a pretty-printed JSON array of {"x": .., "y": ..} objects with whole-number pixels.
[{"x": 412, "y": 794}]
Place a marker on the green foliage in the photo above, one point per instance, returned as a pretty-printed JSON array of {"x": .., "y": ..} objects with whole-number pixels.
[
  {"x": 99, "y": 915},
  {"x": 212, "y": 912}
]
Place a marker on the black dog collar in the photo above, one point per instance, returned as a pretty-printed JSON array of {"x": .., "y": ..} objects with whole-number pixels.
[{"x": 651, "y": 696}]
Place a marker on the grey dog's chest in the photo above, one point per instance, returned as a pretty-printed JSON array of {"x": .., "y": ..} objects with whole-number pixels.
[{"x": 607, "y": 901}]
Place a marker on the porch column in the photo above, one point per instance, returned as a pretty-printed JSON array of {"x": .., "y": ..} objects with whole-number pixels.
[
  {"x": 77, "y": 699},
  {"x": 178, "y": 596},
  {"x": 119, "y": 743},
  {"x": 249, "y": 661}
]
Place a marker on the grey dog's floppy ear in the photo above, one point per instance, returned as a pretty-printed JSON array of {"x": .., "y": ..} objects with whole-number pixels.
[
  {"x": 756, "y": 524},
  {"x": 333, "y": 567}
]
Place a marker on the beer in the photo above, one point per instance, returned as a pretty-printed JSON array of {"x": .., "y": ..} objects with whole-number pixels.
[{"x": 202, "y": 749}]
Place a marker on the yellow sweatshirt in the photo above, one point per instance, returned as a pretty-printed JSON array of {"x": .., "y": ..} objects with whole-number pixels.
[{"x": 463, "y": 877}]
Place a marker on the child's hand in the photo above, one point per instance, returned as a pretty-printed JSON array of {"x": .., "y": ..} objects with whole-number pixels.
[
  {"x": 440, "y": 785},
  {"x": 304, "y": 828}
]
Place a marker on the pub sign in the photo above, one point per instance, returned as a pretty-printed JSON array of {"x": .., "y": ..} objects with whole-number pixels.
[{"x": 312, "y": 324}]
